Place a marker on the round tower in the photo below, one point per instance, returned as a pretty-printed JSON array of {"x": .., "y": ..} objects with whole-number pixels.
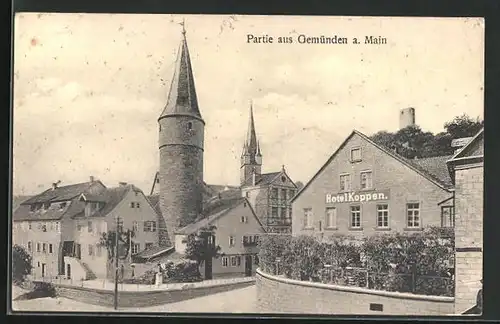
[
  {"x": 406, "y": 117},
  {"x": 181, "y": 138}
]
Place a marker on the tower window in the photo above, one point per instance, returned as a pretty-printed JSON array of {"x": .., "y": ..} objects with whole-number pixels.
[
  {"x": 190, "y": 125},
  {"x": 160, "y": 127}
]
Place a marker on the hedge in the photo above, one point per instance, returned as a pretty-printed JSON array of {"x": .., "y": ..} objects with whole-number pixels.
[{"x": 421, "y": 263}]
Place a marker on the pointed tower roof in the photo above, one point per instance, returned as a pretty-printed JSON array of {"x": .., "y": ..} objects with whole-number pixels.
[
  {"x": 251, "y": 141},
  {"x": 182, "y": 99}
]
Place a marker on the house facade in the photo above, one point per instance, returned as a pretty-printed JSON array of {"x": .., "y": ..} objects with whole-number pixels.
[
  {"x": 364, "y": 189},
  {"x": 44, "y": 224},
  {"x": 467, "y": 170},
  {"x": 237, "y": 230}
]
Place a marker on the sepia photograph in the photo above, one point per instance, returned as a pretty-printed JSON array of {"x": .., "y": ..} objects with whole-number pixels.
[{"x": 245, "y": 164}]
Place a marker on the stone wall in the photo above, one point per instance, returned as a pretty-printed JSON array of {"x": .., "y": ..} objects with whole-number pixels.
[
  {"x": 132, "y": 299},
  {"x": 280, "y": 295},
  {"x": 468, "y": 235}
]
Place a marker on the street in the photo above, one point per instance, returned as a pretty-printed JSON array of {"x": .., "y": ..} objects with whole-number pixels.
[{"x": 241, "y": 300}]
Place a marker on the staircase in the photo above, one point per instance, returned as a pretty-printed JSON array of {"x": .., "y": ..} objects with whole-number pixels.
[{"x": 89, "y": 274}]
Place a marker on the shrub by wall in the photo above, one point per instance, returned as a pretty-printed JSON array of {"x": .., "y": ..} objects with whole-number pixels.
[{"x": 419, "y": 263}]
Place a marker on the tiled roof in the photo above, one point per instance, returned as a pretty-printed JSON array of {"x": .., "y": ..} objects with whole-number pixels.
[
  {"x": 154, "y": 200},
  {"x": 182, "y": 97},
  {"x": 18, "y": 200},
  {"x": 262, "y": 179},
  {"x": 24, "y": 213},
  {"x": 94, "y": 198},
  {"x": 435, "y": 167},
  {"x": 152, "y": 252},
  {"x": 221, "y": 208},
  {"x": 62, "y": 193},
  {"x": 111, "y": 197}
]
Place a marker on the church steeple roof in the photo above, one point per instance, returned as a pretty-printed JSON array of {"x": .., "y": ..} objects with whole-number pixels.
[
  {"x": 251, "y": 140},
  {"x": 182, "y": 99}
]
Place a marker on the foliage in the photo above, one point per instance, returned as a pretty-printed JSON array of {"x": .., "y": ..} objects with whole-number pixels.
[
  {"x": 147, "y": 278},
  {"x": 198, "y": 247},
  {"x": 412, "y": 142},
  {"x": 187, "y": 271},
  {"x": 108, "y": 240},
  {"x": 417, "y": 262},
  {"x": 40, "y": 290},
  {"x": 21, "y": 264}
]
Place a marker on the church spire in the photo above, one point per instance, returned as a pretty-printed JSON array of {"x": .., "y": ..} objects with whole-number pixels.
[
  {"x": 182, "y": 99},
  {"x": 251, "y": 141}
]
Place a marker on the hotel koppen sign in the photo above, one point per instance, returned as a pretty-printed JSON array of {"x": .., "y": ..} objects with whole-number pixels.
[{"x": 348, "y": 197}]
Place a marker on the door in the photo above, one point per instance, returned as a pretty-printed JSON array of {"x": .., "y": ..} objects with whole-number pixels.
[
  {"x": 78, "y": 252},
  {"x": 68, "y": 271},
  {"x": 43, "y": 269},
  {"x": 248, "y": 265}
]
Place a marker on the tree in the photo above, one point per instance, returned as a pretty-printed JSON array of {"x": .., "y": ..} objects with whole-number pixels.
[
  {"x": 463, "y": 126},
  {"x": 108, "y": 240},
  {"x": 200, "y": 247},
  {"x": 411, "y": 142},
  {"x": 299, "y": 185},
  {"x": 21, "y": 264}
]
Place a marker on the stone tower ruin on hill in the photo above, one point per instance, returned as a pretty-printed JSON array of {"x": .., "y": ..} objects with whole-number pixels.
[{"x": 181, "y": 137}]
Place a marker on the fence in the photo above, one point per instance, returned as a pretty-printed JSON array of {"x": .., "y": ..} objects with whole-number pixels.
[{"x": 389, "y": 281}]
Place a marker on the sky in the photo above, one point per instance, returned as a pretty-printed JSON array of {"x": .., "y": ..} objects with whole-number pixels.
[{"x": 89, "y": 88}]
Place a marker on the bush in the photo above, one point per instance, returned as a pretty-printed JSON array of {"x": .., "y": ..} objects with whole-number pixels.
[
  {"x": 147, "y": 278},
  {"x": 21, "y": 264},
  {"x": 40, "y": 290},
  {"x": 185, "y": 271},
  {"x": 417, "y": 263}
]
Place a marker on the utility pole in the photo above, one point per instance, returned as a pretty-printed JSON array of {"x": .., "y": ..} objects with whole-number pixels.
[{"x": 116, "y": 262}]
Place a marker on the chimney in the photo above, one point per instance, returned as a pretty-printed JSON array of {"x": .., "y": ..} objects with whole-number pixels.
[
  {"x": 122, "y": 184},
  {"x": 55, "y": 184},
  {"x": 91, "y": 178}
]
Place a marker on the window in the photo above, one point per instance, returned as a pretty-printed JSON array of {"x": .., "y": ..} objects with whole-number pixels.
[
  {"x": 136, "y": 247},
  {"x": 331, "y": 217},
  {"x": 247, "y": 194},
  {"x": 29, "y": 225},
  {"x": 413, "y": 215},
  {"x": 447, "y": 216},
  {"x": 135, "y": 226},
  {"x": 157, "y": 180},
  {"x": 137, "y": 205},
  {"x": 274, "y": 193},
  {"x": 283, "y": 194},
  {"x": 38, "y": 247},
  {"x": 225, "y": 261},
  {"x": 44, "y": 247},
  {"x": 235, "y": 261},
  {"x": 120, "y": 224},
  {"x": 356, "y": 154},
  {"x": 58, "y": 227},
  {"x": 211, "y": 240},
  {"x": 62, "y": 205},
  {"x": 290, "y": 213},
  {"x": 231, "y": 240},
  {"x": 308, "y": 218},
  {"x": 98, "y": 250},
  {"x": 190, "y": 126},
  {"x": 149, "y": 226},
  {"x": 43, "y": 227},
  {"x": 283, "y": 212},
  {"x": 32, "y": 207},
  {"x": 91, "y": 249},
  {"x": 383, "y": 216},
  {"x": 291, "y": 194},
  {"x": 50, "y": 248},
  {"x": 89, "y": 227},
  {"x": 148, "y": 246},
  {"x": 79, "y": 227},
  {"x": 30, "y": 247},
  {"x": 345, "y": 182},
  {"x": 46, "y": 206},
  {"x": 366, "y": 180},
  {"x": 244, "y": 219},
  {"x": 283, "y": 179},
  {"x": 132, "y": 205},
  {"x": 355, "y": 216},
  {"x": 274, "y": 212}
]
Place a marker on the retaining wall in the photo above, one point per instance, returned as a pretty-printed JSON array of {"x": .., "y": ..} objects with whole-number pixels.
[
  {"x": 281, "y": 295},
  {"x": 128, "y": 299}
]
